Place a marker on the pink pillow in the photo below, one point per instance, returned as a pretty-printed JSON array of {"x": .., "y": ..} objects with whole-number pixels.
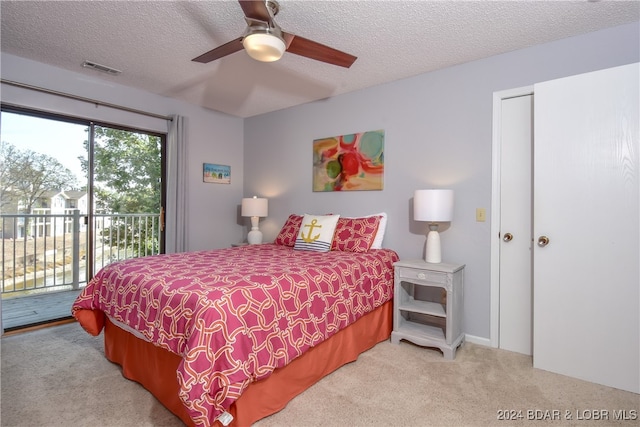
[
  {"x": 355, "y": 234},
  {"x": 289, "y": 231}
]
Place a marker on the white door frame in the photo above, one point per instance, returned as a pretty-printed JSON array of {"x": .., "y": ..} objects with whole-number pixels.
[{"x": 495, "y": 207}]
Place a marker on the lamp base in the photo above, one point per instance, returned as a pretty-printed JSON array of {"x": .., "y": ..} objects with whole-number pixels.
[
  {"x": 432, "y": 252},
  {"x": 254, "y": 237}
]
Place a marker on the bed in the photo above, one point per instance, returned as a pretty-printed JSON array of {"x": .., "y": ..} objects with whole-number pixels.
[{"x": 229, "y": 336}]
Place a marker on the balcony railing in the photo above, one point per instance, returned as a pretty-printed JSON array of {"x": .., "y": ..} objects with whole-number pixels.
[{"x": 47, "y": 252}]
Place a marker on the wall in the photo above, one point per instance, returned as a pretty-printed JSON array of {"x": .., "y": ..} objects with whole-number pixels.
[
  {"x": 211, "y": 137},
  {"x": 438, "y": 130}
]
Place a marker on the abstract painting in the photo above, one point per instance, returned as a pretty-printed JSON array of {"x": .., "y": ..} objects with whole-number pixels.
[{"x": 352, "y": 162}]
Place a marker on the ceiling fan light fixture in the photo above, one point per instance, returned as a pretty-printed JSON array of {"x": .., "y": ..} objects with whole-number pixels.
[{"x": 264, "y": 46}]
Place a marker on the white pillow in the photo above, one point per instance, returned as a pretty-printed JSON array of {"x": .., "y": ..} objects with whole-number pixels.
[
  {"x": 377, "y": 241},
  {"x": 316, "y": 233}
]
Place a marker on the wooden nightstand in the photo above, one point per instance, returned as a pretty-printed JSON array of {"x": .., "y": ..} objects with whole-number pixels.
[{"x": 428, "y": 305}]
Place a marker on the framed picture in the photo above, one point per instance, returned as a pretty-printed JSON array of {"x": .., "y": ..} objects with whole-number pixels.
[
  {"x": 353, "y": 162},
  {"x": 217, "y": 174}
]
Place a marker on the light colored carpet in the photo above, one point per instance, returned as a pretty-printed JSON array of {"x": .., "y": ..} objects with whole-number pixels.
[{"x": 58, "y": 376}]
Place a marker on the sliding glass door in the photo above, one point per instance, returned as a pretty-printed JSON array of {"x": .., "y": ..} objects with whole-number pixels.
[
  {"x": 127, "y": 194},
  {"x": 74, "y": 196}
]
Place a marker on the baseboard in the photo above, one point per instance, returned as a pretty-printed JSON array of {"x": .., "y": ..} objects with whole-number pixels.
[{"x": 477, "y": 340}]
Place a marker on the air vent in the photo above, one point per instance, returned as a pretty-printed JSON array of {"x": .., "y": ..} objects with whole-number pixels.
[{"x": 102, "y": 68}]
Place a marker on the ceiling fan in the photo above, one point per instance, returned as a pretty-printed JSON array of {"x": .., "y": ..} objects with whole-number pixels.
[{"x": 265, "y": 41}]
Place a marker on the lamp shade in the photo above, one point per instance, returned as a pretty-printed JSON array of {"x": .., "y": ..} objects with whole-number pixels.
[
  {"x": 433, "y": 205},
  {"x": 264, "y": 46},
  {"x": 255, "y": 206}
]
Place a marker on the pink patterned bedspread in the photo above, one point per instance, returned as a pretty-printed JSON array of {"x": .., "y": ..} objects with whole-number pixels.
[{"x": 236, "y": 314}]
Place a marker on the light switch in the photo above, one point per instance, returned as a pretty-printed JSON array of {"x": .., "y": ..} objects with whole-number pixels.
[{"x": 481, "y": 215}]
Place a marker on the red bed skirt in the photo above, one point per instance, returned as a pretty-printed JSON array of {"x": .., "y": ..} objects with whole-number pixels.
[{"x": 155, "y": 368}]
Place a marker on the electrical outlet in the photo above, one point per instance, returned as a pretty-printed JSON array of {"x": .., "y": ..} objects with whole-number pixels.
[{"x": 481, "y": 215}]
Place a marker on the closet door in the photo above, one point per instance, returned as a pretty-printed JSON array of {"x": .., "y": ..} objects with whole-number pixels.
[
  {"x": 586, "y": 166},
  {"x": 515, "y": 322}
]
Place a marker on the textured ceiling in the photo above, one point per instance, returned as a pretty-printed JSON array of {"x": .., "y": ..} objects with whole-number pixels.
[{"x": 153, "y": 42}]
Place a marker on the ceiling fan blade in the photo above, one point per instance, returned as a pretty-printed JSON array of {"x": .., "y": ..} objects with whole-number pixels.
[
  {"x": 224, "y": 50},
  {"x": 319, "y": 52},
  {"x": 255, "y": 9}
]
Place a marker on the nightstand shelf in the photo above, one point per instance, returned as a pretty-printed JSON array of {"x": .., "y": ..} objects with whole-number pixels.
[
  {"x": 428, "y": 304},
  {"x": 424, "y": 307},
  {"x": 421, "y": 331}
]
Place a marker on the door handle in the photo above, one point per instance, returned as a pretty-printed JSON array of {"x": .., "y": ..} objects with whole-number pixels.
[
  {"x": 161, "y": 218},
  {"x": 543, "y": 241},
  {"x": 508, "y": 237}
]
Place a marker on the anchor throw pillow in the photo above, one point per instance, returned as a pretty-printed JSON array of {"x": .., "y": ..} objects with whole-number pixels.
[{"x": 316, "y": 233}]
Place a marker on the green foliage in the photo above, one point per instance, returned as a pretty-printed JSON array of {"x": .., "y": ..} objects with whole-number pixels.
[
  {"x": 25, "y": 176},
  {"x": 127, "y": 171},
  {"x": 136, "y": 236},
  {"x": 127, "y": 180}
]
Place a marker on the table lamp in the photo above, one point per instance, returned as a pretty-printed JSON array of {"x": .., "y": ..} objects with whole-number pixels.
[
  {"x": 255, "y": 208},
  {"x": 433, "y": 206}
]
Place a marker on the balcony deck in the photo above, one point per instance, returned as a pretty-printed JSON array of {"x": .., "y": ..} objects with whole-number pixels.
[
  {"x": 44, "y": 259},
  {"x": 33, "y": 310}
]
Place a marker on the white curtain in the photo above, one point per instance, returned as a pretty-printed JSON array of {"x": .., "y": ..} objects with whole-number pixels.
[{"x": 176, "y": 209}]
